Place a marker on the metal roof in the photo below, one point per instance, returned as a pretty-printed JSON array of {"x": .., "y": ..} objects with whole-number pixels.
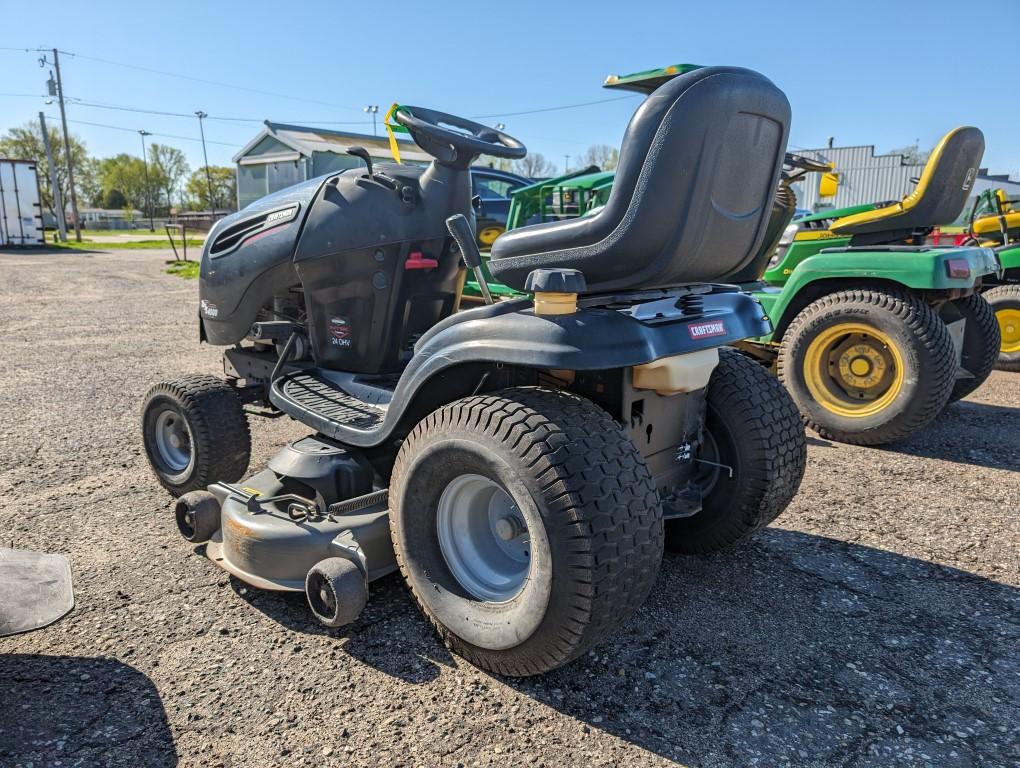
[{"x": 306, "y": 140}]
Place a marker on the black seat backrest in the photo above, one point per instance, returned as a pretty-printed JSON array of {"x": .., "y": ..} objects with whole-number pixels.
[
  {"x": 940, "y": 194},
  {"x": 693, "y": 191}
]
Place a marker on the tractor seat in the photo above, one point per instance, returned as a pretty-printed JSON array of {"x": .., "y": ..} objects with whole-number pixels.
[
  {"x": 692, "y": 195},
  {"x": 990, "y": 227},
  {"x": 940, "y": 195}
]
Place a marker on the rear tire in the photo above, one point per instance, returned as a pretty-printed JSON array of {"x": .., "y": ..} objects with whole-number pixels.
[
  {"x": 1005, "y": 302},
  {"x": 753, "y": 427},
  {"x": 559, "y": 483},
  {"x": 867, "y": 366},
  {"x": 981, "y": 341},
  {"x": 195, "y": 433}
]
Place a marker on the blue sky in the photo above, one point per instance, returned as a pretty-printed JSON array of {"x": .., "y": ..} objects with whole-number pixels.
[{"x": 884, "y": 73}]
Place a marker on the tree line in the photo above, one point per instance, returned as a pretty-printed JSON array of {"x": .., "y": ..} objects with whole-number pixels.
[{"x": 119, "y": 182}]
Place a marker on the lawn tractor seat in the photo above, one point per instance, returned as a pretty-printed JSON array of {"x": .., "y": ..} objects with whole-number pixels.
[
  {"x": 693, "y": 191},
  {"x": 939, "y": 198},
  {"x": 991, "y": 226}
]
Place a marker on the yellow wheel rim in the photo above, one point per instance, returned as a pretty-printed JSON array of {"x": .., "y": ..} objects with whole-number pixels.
[
  {"x": 1009, "y": 327},
  {"x": 852, "y": 369},
  {"x": 488, "y": 235}
]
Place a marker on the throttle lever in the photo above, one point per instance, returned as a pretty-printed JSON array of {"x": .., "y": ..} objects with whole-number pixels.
[{"x": 460, "y": 231}]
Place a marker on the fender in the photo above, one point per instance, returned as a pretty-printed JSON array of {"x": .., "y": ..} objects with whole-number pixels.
[
  {"x": 509, "y": 333},
  {"x": 916, "y": 268}
]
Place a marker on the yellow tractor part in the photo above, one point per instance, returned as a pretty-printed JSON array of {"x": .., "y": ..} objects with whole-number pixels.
[
  {"x": 853, "y": 370},
  {"x": 1009, "y": 326}
]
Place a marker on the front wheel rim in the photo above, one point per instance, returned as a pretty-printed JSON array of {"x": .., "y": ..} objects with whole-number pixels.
[
  {"x": 1008, "y": 319},
  {"x": 173, "y": 441},
  {"x": 853, "y": 370},
  {"x": 484, "y": 538}
]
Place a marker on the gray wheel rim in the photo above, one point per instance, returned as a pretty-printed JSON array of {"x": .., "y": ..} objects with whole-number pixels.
[
  {"x": 484, "y": 538},
  {"x": 173, "y": 441}
]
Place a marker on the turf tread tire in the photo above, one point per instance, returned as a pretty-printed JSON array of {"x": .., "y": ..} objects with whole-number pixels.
[
  {"x": 219, "y": 429},
  {"x": 932, "y": 340},
  {"x": 1005, "y": 295},
  {"x": 772, "y": 445},
  {"x": 981, "y": 344},
  {"x": 600, "y": 507}
]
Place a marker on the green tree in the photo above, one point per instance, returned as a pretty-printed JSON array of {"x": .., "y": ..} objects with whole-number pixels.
[
  {"x": 126, "y": 174},
  {"x": 168, "y": 166},
  {"x": 89, "y": 183},
  {"x": 224, "y": 188},
  {"x": 27, "y": 142}
]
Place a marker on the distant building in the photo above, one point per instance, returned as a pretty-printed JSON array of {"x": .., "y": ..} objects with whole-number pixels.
[
  {"x": 282, "y": 155},
  {"x": 865, "y": 177}
]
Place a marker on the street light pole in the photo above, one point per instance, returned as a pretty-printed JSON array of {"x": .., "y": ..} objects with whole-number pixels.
[
  {"x": 208, "y": 177},
  {"x": 373, "y": 110},
  {"x": 145, "y": 162},
  {"x": 67, "y": 149}
]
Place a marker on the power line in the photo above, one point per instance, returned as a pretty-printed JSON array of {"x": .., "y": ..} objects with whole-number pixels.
[
  {"x": 553, "y": 109},
  {"x": 135, "y": 130},
  {"x": 204, "y": 80}
]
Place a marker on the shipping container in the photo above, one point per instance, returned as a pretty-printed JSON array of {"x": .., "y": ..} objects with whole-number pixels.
[{"x": 20, "y": 204}]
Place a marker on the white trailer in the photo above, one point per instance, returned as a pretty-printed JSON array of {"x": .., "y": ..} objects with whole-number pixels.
[{"x": 20, "y": 204}]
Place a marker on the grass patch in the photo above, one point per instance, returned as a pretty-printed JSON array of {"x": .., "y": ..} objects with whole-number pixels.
[
  {"x": 160, "y": 232},
  {"x": 186, "y": 269},
  {"x": 91, "y": 245}
]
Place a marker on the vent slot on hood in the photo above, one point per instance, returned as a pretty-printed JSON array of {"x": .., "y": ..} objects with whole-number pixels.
[{"x": 234, "y": 234}]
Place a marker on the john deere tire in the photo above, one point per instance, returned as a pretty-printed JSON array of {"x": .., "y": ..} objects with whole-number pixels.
[
  {"x": 195, "y": 433},
  {"x": 1005, "y": 301},
  {"x": 526, "y": 525},
  {"x": 867, "y": 366},
  {"x": 981, "y": 341},
  {"x": 753, "y": 428}
]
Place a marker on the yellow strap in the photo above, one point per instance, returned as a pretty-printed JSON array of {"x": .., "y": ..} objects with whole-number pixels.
[{"x": 390, "y": 127}]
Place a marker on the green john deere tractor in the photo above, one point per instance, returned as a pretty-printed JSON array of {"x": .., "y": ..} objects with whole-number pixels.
[
  {"x": 874, "y": 331},
  {"x": 995, "y": 222}
]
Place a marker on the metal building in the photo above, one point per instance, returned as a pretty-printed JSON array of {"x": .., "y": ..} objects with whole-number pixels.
[
  {"x": 865, "y": 177},
  {"x": 282, "y": 155}
]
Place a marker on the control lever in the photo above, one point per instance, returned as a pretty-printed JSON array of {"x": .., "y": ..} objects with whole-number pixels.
[
  {"x": 363, "y": 154},
  {"x": 461, "y": 232}
]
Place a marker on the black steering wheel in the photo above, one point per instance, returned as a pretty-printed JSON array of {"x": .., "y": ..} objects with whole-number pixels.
[{"x": 459, "y": 148}]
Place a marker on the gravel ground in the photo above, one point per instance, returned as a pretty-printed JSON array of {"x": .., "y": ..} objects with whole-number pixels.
[{"x": 876, "y": 623}]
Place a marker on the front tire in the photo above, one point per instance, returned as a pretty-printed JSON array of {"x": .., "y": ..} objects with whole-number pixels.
[
  {"x": 867, "y": 366},
  {"x": 1005, "y": 302},
  {"x": 981, "y": 341},
  {"x": 526, "y": 525},
  {"x": 195, "y": 433},
  {"x": 752, "y": 427}
]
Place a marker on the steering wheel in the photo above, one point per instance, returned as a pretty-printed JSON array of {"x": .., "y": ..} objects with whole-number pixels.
[{"x": 458, "y": 148}]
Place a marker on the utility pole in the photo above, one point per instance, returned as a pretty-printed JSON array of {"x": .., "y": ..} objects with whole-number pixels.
[
  {"x": 566, "y": 164},
  {"x": 208, "y": 177},
  {"x": 58, "y": 201},
  {"x": 67, "y": 149},
  {"x": 373, "y": 110},
  {"x": 148, "y": 193}
]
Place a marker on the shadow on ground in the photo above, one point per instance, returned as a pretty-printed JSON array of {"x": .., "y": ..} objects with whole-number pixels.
[
  {"x": 792, "y": 649},
  {"x": 374, "y": 638},
  {"x": 960, "y": 434},
  {"x": 74, "y": 710},
  {"x": 806, "y": 650}
]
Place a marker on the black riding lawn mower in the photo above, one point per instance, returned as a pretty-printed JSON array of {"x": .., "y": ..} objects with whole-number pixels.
[{"x": 522, "y": 463}]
